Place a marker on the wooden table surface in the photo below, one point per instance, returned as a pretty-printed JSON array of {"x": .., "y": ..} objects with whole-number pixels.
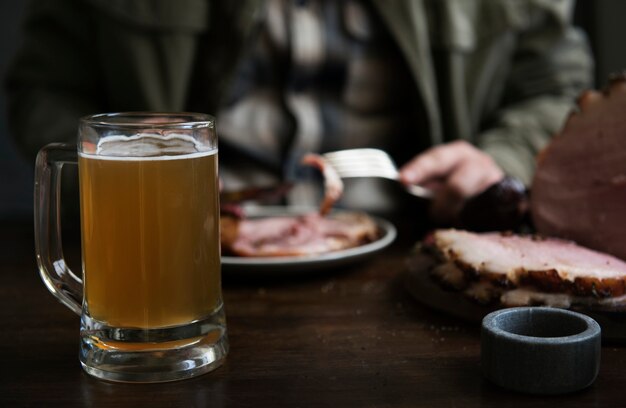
[{"x": 352, "y": 337}]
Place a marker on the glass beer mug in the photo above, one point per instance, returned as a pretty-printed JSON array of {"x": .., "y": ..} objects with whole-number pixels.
[{"x": 150, "y": 294}]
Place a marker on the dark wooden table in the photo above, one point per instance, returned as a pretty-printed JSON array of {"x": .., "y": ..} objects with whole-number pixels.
[{"x": 348, "y": 338}]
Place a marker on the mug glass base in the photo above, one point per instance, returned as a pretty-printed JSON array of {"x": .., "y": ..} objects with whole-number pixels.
[{"x": 153, "y": 355}]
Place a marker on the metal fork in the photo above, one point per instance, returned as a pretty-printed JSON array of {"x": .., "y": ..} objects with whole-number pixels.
[{"x": 370, "y": 163}]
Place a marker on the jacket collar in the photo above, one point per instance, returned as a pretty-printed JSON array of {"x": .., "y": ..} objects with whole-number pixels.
[{"x": 407, "y": 23}]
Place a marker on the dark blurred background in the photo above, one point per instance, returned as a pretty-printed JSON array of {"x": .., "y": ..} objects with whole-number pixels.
[
  {"x": 16, "y": 174},
  {"x": 602, "y": 19}
]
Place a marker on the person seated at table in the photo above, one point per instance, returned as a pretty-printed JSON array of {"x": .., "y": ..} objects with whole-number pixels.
[{"x": 459, "y": 93}]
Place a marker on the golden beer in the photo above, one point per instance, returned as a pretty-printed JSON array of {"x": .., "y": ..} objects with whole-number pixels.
[{"x": 150, "y": 235}]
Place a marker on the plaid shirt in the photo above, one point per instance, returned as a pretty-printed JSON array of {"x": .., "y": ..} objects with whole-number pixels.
[{"x": 322, "y": 76}]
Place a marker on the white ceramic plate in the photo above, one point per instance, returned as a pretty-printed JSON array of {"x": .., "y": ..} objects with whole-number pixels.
[{"x": 289, "y": 265}]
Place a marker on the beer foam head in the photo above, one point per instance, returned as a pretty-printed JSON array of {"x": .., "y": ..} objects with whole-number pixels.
[{"x": 149, "y": 145}]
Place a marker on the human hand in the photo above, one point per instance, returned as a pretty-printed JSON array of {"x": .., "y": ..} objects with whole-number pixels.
[{"x": 454, "y": 171}]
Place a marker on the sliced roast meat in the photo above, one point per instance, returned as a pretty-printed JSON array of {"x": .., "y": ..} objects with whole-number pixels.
[
  {"x": 309, "y": 234},
  {"x": 579, "y": 189},
  {"x": 511, "y": 261}
]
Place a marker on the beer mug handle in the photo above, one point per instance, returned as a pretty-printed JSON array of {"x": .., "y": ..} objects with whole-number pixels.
[{"x": 59, "y": 279}]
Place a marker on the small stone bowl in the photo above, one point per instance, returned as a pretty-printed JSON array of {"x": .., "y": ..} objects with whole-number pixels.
[{"x": 540, "y": 350}]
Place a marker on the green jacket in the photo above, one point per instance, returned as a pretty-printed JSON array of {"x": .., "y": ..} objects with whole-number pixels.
[{"x": 516, "y": 66}]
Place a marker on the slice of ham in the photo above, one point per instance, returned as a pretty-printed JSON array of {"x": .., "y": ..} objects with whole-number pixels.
[
  {"x": 333, "y": 186},
  {"x": 509, "y": 261},
  {"x": 470, "y": 274},
  {"x": 579, "y": 189},
  {"x": 305, "y": 235}
]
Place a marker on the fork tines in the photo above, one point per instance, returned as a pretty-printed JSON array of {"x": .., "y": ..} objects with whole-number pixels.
[{"x": 365, "y": 162}]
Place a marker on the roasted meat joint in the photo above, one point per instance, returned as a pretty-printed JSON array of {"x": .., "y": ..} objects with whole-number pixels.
[
  {"x": 579, "y": 189},
  {"x": 574, "y": 255},
  {"x": 504, "y": 269}
]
